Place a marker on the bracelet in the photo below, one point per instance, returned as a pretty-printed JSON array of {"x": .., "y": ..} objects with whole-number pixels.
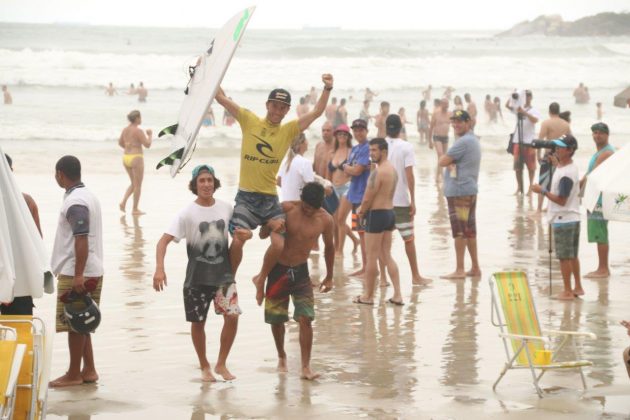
[
  {"x": 544, "y": 191},
  {"x": 328, "y": 88}
]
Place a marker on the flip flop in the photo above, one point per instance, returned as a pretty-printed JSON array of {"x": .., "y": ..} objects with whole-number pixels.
[
  {"x": 360, "y": 302},
  {"x": 393, "y": 302}
]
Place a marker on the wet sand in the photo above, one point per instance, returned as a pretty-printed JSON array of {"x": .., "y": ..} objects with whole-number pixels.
[{"x": 436, "y": 357}]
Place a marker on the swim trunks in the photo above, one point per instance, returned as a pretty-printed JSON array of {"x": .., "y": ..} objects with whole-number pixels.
[
  {"x": 254, "y": 209},
  {"x": 357, "y": 226},
  {"x": 284, "y": 281},
  {"x": 64, "y": 284},
  {"x": 597, "y": 227},
  {"x": 441, "y": 139},
  {"x": 528, "y": 158},
  {"x": 22, "y": 305},
  {"x": 379, "y": 221},
  {"x": 404, "y": 223},
  {"x": 461, "y": 212},
  {"x": 567, "y": 240},
  {"x": 128, "y": 158},
  {"x": 197, "y": 301}
]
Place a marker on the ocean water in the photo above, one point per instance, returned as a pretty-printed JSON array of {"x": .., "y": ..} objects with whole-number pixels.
[{"x": 57, "y": 74}]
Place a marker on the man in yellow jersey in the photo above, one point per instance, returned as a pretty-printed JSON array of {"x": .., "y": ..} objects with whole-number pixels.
[{"x": 265, "y": 142}]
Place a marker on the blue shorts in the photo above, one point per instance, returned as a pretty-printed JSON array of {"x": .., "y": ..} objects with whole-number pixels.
[
  {"x": 254, "y": 209},
  {"x": 379, "y": 221}
]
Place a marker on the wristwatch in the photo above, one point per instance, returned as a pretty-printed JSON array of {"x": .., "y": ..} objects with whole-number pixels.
[{"x": 328, "y": 88}]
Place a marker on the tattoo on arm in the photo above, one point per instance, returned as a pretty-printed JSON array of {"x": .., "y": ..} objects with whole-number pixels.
[{"x": 372, "y": 179}]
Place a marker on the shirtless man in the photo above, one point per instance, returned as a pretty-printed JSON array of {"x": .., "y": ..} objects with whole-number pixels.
[
  {"x": 142, "y": 93},
  {"x": 8, "y": 100},
  {"x": 131, "y": 140},
  {"x": 331, "y": 111},
  {"x": 302, "y": 108},
  {"x": 323, "y": 149},
  {"x": 471, "y": 108},
  {"x": 379, "y": 120},
  {"x": 305, "y": 221},
  {"x": 438, "y": 131},
  {"x": 426, "y": 94},
  {"x": 552, "y": 128},
  {"x": 264, "y": 144},
  {"x": 111, "y": 90},
  {"x": 377, "y": 213}
]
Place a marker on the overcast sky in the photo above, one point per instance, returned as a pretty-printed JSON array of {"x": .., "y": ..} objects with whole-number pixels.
[{"x": 292, "y": 14}]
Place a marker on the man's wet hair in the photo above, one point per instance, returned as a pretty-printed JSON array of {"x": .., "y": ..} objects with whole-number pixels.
[
  {"x": 9, "y": 161},
  {"x": 384, "y": 104},
  {"x": 192, "y": 185},
  {"x": 554, "y": 108},
  {"x": 380, "y": 142},
  {"x": 69, "y": 166},
  {"x": 313, "y": 195}
]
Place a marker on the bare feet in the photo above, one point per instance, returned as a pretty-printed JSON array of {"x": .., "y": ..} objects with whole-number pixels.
[
  {"x": 383, "y": 284},
  {"x": 224, "y": 372},
  {"x": 455, "y": 275},
  {"x": 473, "y": 273},
  {"x": 421, "y": 281},
  {"x": 121, "y": 206},
  {"x": 598, "y": 274},
  {"x": 282, "y": 365},
  {"x": 89, "y": 377},
  {"x": 66, "y": 380},
  {"x": 578, "y": 291},
  {"x": 260, "y": 292},
  {"x": 206, "y": 375},
  {"x": 358, "y": 273},
  {"x": 565, "y": 296},
  {"x": 138, "y": 212},
  {"x": 308, "y": 374}
]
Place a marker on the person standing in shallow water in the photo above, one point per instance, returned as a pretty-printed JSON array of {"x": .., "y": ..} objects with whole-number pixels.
[
  {"x": 204, "y": 224},
  {"x": 132, "y": 139}
]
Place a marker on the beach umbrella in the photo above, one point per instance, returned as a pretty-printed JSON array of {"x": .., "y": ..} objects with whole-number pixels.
[
  {"x": 24, "y": 266},
  {"x": 622, "y": 99},
  {"x": 610, "y": 179}
]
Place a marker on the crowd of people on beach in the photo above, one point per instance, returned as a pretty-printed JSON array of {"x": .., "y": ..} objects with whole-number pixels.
[{"x": 363, "y": 191}]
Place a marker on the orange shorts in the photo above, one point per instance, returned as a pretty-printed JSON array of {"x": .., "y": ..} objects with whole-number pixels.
[{"x": 528, "y": 158}]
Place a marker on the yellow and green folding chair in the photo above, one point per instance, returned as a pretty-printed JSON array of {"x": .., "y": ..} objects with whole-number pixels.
[
  {"x": 32, "y": 384},
  {"x": 11, "y": 357},
  {"x": 526, "y": 345}
]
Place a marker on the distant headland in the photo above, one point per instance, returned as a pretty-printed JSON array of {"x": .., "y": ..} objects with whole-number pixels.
[{"x": 602, "y": 24}]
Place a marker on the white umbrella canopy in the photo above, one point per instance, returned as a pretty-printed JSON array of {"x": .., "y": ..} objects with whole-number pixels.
[
  {"x": 611, "y": 179},
  {"x": 23, "y": 259}
]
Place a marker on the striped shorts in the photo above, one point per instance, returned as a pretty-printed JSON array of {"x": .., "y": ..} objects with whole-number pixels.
[
  {"x": 64, "y": 284},
  {"x": 404, "y": 223}
]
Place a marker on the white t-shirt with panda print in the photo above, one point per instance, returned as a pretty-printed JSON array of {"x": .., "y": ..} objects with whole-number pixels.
[{"x": 206, "y": 233}]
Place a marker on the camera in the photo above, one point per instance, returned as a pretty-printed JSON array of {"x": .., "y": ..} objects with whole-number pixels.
[
  {"x": 517, "y": 100},
  {"x": 543, "y": 144}
]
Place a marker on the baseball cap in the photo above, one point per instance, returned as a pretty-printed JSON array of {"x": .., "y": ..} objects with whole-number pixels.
[
  {"x": 280, "y": 95},
  {"x": 600, "y": 126},
  {"x": 343, "y": 128},
  {"x": 566, "y": 141},
  {"x": 202, "y": 167},
  {"x": 460, "y": 115},
  {"x": 359, "y": 123},
  {"x": 393, "y": 122}
]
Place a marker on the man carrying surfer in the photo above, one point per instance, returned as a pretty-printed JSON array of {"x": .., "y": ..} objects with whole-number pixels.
[{"x": 265, "y": 142}]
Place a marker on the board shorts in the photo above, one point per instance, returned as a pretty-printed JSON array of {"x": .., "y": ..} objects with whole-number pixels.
[
  {"x": 64, "y": 283},
  {"x": 379, "y": 221},
  {"x": 197, "y": 301},
  {"x": 528, "y": 159},
  {"x": 284, "y": 281},
  {"x": 404, "y": 223},
  {"x": 597, "y": 227},
  {"x": 567, "y": 240},
  {"x": 441, "y": 139},
  {"x": 253, "y": 209},
  {"x": 461, "y": 212},
  {"x": 22, "y": 305},
  {"x": 544, "y": 176},
  {"x": 341, "y": 190},
  {"x": 357, "y": 226}
]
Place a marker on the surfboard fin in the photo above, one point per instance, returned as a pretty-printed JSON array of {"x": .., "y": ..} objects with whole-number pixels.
[
  {"x": 168, "y": 130},
  {"x": 177, "y": 154}
]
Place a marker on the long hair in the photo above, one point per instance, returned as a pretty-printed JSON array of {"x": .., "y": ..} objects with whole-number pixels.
[
  {"x": 348, "y": 144},
  {"x": 295, "y": 149}
]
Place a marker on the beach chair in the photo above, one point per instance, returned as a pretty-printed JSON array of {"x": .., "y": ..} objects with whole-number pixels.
[
  {"x": 11, "y": 357},
  {"x": 526, "y": 345},
  {"x": 32, "y": 384}
]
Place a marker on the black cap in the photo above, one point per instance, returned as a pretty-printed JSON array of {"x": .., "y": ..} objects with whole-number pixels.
[
  {"x": 280, "y": 95},
  {"x": 359, "y": 123},
  {"x": 600, "y": 126},
  {"x": 393, "y": 122},
  {"x": 460, "y": 115}
]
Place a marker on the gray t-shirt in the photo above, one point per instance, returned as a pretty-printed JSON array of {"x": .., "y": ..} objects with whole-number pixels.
[{"x": 466, "y": 154}]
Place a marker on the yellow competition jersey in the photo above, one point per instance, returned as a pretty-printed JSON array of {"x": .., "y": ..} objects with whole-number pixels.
[{"x": 263, "y": 148}]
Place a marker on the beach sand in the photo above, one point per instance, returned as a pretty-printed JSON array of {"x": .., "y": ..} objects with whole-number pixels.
[{"x": 436, "y": 357}]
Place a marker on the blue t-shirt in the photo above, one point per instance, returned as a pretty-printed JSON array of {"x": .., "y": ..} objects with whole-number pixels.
[
  {"x": 466, "y": 154},
  {"x": 359, "y": 155}
]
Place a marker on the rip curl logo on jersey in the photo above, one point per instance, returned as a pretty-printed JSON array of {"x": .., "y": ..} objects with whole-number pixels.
[{"x": 263, "y": 145}]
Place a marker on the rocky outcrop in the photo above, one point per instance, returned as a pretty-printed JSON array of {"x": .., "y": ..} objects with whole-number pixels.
[{"x": 602, "y": 24}]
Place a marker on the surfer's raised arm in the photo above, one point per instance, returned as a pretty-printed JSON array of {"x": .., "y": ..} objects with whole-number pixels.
[
  {"x": 230, "y": 106},
  {"x": 307, "y": 119}
]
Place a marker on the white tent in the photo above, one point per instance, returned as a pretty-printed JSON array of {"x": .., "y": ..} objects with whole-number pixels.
[
  {"x": 23, "y": 259},
  {"x": 611, "y": 179}
]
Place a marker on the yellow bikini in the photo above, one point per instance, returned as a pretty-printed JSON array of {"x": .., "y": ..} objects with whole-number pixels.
[{"x": 128, "y": 158}]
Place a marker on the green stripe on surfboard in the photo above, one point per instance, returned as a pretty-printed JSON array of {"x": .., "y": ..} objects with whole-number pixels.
[
  {"x": 241, "y": 25},
  {"x": 168, "y": 130},
  {"x": 177, "y": 154}
]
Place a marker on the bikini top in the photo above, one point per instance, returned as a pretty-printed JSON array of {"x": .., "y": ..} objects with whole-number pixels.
[{"x": 333, "y": 168}]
